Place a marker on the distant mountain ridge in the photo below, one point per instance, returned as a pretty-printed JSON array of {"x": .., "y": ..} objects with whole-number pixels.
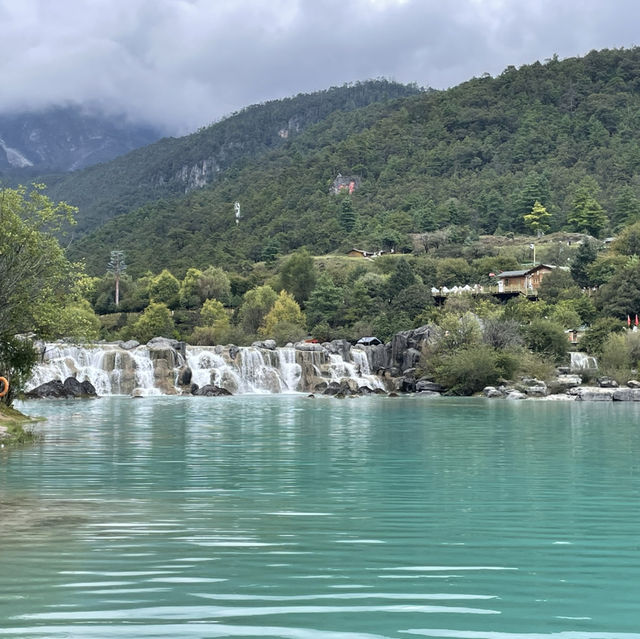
[
  {"x": 66, "y": 139},
  {"x": 175, "y": 166}
]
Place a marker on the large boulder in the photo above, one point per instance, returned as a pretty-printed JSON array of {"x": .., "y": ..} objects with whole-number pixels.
[
  {"x": 591, "y": 393},
  {"x": 211, "y": 391},
  {"x": 425, "y": 385},
  {"x": 71, "y": 388},
  {"x": 626, "y": 395}
]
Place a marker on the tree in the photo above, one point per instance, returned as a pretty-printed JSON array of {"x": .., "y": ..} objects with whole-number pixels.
[
  {"x": 36, "y": 280},
  {"x": 298, "y": 275},
  {"x": 190, "y": 288},
  {"x": 213, "y": 311},
  {"x": 285, "y": 310},
  {"x": 256, "y": 303},
  {"x": 324, "y": 303},
  {"x": 214, "y": 283},
  {"x": 585, "y": 256},
  {"x": 587, "y": 215},
  {"x": 547, "y": 338},
  {"x": 401, "y": 278},
  {"x": 117, "y": 267},
  {"x": 537, "y": 220},
  {"x": 165, "y": 288},
  {"x": 156, "y": 321},
  {"x": 347, "y": 215}
]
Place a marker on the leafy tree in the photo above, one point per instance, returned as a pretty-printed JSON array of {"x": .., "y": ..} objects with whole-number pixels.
[
  {"x": 557, "y": 285},
  {"x": 627, "y": 207},
  {"x": 538, "y": 219},
  {"x": 628, "y": 242},
  {"x": 413, "y": 300},
  {"x": 620, "y": 295},
  {"x": 298, "y": 275},
  {"x": 155, "y": 321},
  {"x": 214, "y": 283},
  {"x": 502, "y": 334},
  {"x": 597, "y": 334},
  {"x": 36, "y": 280},
  {"x": 284, "y": 310},
  {"x": 547, "y": 338},
  {"x": 165, "y": 289},
  {"x": 212, "y": 311},
  {"x": 255, "y": 305},
  {"x": 117, "y": 268},
  {"x": 77, "y": 321},
  {"x": 190, "y": 288}
]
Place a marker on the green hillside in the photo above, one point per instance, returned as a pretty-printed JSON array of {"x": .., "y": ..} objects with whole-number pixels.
[
  {"x": 473, "y": 158},
  {"x": 174, "y": 166}
]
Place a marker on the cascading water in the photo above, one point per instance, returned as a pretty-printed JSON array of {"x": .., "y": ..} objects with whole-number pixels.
[
  {"x": 61, "y": 361},
  {"x": 582, "y": 361},
  {"x": 154, "y": 370},
  {"x": 290, "y": 370}
]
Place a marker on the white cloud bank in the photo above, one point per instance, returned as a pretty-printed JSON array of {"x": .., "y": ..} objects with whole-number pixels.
[{"x": 184, "y": 63}]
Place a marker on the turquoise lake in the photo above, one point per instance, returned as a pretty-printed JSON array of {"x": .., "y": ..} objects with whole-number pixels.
[{"x": 283, "y": 516}]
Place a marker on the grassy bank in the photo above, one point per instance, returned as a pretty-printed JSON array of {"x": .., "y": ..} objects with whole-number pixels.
[{"x": 12, "y": 427}]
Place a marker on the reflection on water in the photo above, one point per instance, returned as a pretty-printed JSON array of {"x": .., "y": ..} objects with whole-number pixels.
[{"x": 290, "y": 517}]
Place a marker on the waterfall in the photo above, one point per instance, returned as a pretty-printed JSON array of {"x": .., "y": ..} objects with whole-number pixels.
[
  {"x": 290, "y": 371},
  {"x": 157, "y": 369},
  {"x": 61, "y": 361},
  {"x": 582, "y": 361}
]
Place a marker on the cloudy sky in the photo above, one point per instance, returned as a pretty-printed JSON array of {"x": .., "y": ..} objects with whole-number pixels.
[{"x": 182, "y": 64}]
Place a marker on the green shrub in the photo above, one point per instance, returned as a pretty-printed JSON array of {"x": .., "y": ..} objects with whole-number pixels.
[{"x": 546, "y": 338}]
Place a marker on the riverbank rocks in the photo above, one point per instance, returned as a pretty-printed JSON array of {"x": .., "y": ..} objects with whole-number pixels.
[
  {"x": 71, "y": 388},
  {"x": 591, "y": 393},
  {"x": 626, "y": 395},
  {"x": 633, "y": 383},
  {"x": 492, "y": 392},
  {"x": 607, "y": 382},
  {"x": 267, "y": 344}
]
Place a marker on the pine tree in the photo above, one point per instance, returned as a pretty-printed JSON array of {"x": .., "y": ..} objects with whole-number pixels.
[{"x": 537, "y": 219}]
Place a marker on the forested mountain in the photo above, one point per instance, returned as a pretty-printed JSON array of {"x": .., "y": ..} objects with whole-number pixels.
[
  {"x": 475, "y": 157},
  {"x": 175, "y": 166},
  {"x": 65, "y": 139}
]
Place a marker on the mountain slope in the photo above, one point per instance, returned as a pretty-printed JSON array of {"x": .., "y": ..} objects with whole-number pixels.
[
  {"x": 472, "y": 159},
  {"x": 65, "y": 139},
  {"x": 175, "y": 166}
]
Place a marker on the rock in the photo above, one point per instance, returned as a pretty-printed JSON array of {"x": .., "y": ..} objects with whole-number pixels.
[
  {"x": 267, "y": 344},
  {"x": 429, "y": 394},
  {"x": 514, "y": 394},
  {"x": 569, "y": 381},
  {"x": 536, "y": 391},
  {"x": 407, "y": 385},
  {"x": 88, "y": 389},
  {"x": 320, "y": 387},
  {"x": 311, "y": 396},
  {"x": 129, "y": 344},
  {"x": 626, "y": 395},
  {"x": 73, "y": 387},
  {"x": 410, "y": 358},
  {"x": 563, "y": 370},
  {"x": 492, "y": 392},
  {"x": 308, "y": 346},
  {"x": 633, "y": 383},
  {"x": 364, "y": 390},
  {"x": 393, "y": 394},
  {"x": 209, "y": 390},
  {"x": 55, "y": 389},
  {"x": 425, "y": 385},
  {"x": 606, "y": 382},
  {"x": 49, "y": 390},
  {"x": 137, "y": 393},
  {"x": 591, "y": 393},
  {"x": 184, "y": 376}
]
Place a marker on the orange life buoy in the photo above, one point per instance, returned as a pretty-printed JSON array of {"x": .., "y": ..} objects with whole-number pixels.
[{"x": 5, "y": 386}]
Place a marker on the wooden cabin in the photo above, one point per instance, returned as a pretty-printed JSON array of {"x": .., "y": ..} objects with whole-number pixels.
[{"x": 525, "y": 280}]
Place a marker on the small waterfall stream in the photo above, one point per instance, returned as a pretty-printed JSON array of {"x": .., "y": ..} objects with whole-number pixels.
[{"x": 154, "y": 370}]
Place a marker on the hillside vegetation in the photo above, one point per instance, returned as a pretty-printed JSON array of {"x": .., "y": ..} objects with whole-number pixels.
[
  {"x": 564, "y": 133},
  {"x": 174, "y": 166}
]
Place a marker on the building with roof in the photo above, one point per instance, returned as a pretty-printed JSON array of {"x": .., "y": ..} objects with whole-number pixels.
[{"x": 525, "y": 280}]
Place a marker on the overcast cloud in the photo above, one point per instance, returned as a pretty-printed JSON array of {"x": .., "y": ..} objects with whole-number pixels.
[{"x": 182, "y": 64}]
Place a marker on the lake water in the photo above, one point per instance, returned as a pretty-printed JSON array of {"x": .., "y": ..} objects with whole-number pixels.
[{"x": 284, "y": 516}]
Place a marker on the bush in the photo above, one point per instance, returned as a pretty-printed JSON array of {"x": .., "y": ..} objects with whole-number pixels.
[
  {"x": 470, "y": 369},
  {"x": 155, "y": 321},
  {"x": 546, "y": 338}
]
